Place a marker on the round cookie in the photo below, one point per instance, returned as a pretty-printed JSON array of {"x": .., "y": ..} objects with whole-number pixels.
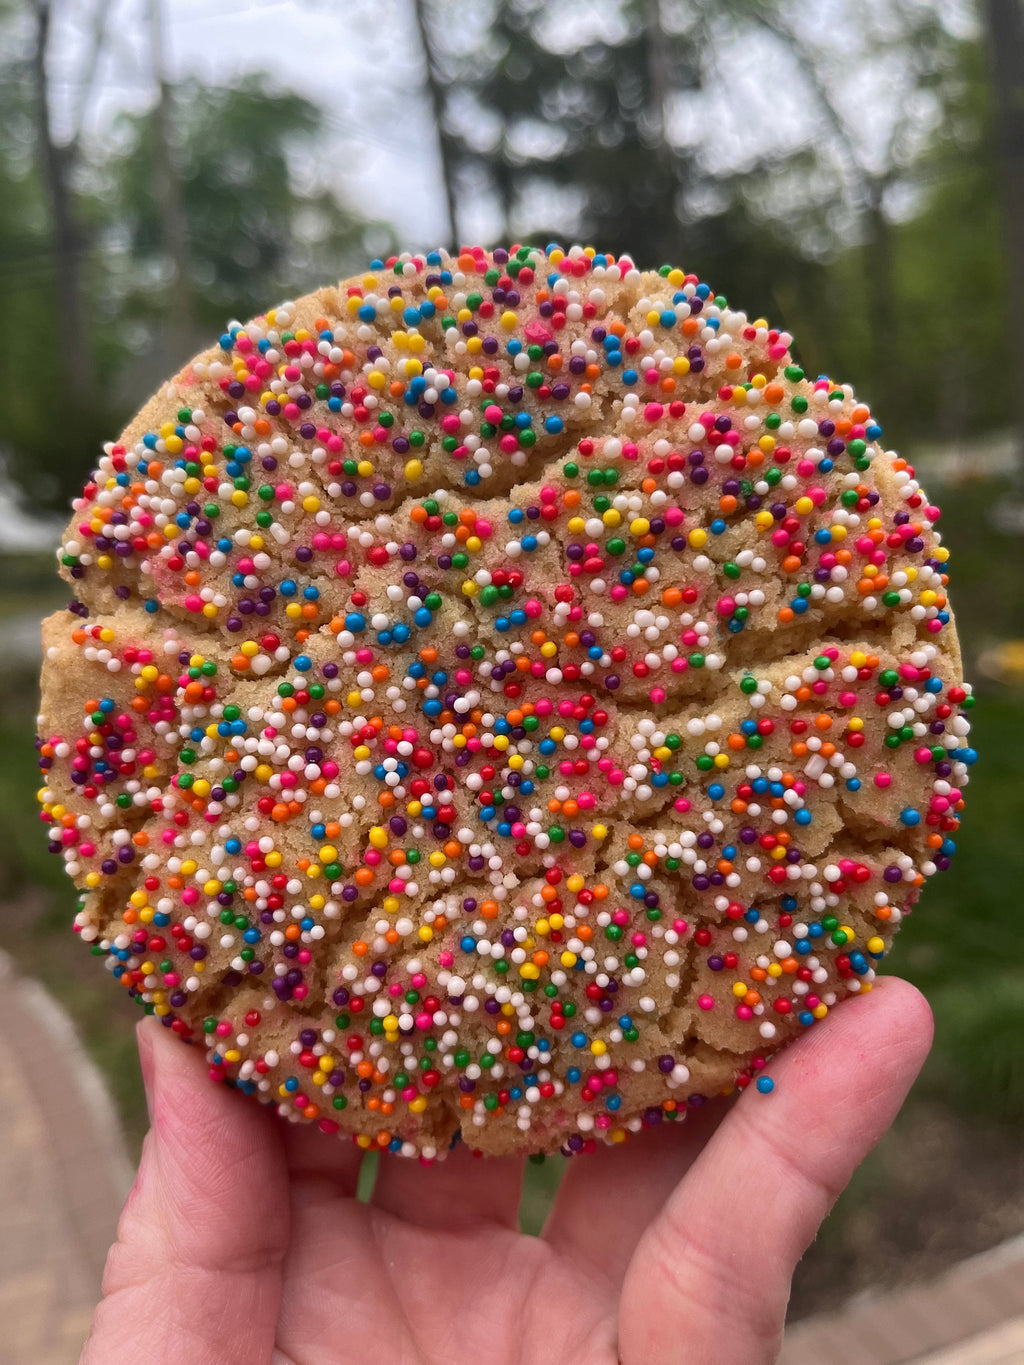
[{"x": 503, "y": 694}]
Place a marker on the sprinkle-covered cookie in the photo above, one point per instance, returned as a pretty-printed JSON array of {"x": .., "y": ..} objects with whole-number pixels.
[{"x": 503, "y": 694}]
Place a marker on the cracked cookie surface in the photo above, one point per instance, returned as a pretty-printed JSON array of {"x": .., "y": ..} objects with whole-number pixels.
[{"x": 503, "y": 695}]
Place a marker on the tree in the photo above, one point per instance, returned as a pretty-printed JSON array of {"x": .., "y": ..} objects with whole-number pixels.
[
  {"x": 251, "y": 231},
  {"x": 524, "y": 118}
]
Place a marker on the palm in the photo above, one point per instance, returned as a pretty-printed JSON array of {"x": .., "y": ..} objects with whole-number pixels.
[
  {"x": 243, "y": 1242},
  {"x": 474, "y": 1291}
]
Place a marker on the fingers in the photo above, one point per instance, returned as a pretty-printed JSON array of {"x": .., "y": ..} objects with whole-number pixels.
[
  {"x": 460, "y": 1192},
  {"x": 607, "y": 1199},
  {"x": 711, "y": 1276},
  {"x": 195, "y": 1272},
  {"x": 321, "y": 1165}
]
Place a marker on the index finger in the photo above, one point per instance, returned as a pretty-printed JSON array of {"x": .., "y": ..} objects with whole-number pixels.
[{"x": 713, "y": 1270}]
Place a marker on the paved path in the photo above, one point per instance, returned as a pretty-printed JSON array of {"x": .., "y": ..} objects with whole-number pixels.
[
  {"x": 63, "y": 1178},
  {"x": 972, "y": 1315}
]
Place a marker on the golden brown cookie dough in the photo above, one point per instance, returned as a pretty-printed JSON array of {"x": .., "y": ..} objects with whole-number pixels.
[{"x": 503, "y": 694}]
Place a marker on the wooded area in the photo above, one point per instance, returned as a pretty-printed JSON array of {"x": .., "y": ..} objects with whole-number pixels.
[{"x": 882, "y": 221}]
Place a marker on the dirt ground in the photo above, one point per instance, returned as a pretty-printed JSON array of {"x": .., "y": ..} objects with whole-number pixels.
[{"x": 938, "y": 1188}]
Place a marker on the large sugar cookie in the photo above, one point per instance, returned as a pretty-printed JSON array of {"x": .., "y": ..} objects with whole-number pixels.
[{"x": 503, "y": 693}]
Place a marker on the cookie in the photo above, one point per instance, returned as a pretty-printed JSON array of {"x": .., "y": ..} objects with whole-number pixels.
[{"x": 505, "y": 696}]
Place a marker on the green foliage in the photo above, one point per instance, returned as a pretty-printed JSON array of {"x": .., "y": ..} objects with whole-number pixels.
[{"x": 252, "y": 232}]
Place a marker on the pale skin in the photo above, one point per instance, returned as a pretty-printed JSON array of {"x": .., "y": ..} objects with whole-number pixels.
[{"x": 242, "y": 1242}]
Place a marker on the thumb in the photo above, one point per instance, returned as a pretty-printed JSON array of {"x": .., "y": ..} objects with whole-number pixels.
[
  {"x": 195, "y": 1271},
  {"x": 710, "y": 1280}
]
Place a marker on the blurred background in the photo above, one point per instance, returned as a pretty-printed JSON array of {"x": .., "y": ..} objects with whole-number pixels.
[{"x": 854, "y": 171}]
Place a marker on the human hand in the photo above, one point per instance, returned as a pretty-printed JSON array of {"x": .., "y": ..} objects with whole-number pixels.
[{"x": 242, "y": 1242}]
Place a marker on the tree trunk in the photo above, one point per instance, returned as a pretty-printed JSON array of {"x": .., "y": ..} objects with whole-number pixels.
[
  {"x": 170, "y": 197},
  {"x": 67, "y": 237},
  {"x": 435, "y": 94},
  {"x": 1005, "y": 23}
]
